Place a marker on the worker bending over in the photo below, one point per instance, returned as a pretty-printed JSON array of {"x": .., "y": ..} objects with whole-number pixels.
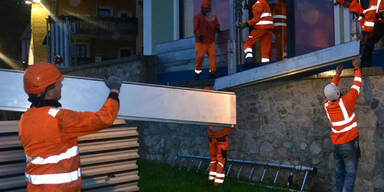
[
  {"x": 49, "y": 133},
  {"x": 262, "y": 23},
  {"x": 205, "y": 26},
  {"x": 344, "y": 132}
]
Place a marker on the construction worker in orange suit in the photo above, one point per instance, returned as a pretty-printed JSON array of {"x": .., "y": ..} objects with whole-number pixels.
[
  {"x": 262, "y": 23},
  {"x": 49, "y": 133},
  {"x": 344, "y": 131},
  {"x": 205, "y": 26},
  {"x": 279, "y": 12},
  {"x": 218, "y": 148}
]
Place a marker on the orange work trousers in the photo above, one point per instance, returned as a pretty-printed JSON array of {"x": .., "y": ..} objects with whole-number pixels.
[
  {"x": 205, "y": 48},
  {"x": 264, "y": 37},
  {"x": 281, "y": 42},
  {"x": 218, "y": 148}
]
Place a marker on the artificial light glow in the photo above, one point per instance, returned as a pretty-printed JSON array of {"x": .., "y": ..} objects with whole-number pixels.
[
  {"x": 10, "y": 62},
  {"x": 28, "y": 2},
  {"x": 36, "y": 1}
]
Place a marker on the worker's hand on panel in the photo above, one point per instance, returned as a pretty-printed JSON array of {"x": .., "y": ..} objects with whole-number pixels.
[
  {"x": 243, "y": 25},
  {"x": 339, "y": 69},
  {"x": 113, "y": 83},
  {"x": 356, "y": 63}
]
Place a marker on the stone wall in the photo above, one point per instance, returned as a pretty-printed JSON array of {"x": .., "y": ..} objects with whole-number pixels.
[{"x": 283, "y": 121}]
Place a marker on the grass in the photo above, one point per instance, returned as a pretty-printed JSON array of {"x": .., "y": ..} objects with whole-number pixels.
[{"x": 164, "y": 178}]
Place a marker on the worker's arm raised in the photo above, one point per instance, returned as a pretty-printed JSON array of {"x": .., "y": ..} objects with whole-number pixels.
[
  {"x": 336, "y": 78},
  {"x": 353, "y": 93}
]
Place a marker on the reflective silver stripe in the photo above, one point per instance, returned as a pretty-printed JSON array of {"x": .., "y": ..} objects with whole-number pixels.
[
  {"x": 264, "y": 22},
  {"x": 353, "y": 125},
  {"x": 265, "y": 15},
  {"x": 343, "y": 109},
  {"x": 280, "y": 24},
  {"x": 71, "y": 152},
  {"x": 198, "y": 71},
  {"x": 357, "y": 88},
  {"x": 212, "y": 173},
  {"x": 264, "y": 60},
  {"x": 213, "y": 161},
  {"x": 216, "y": 129},
  {"x": 221, "y": 175},
  {"x": 53, "y": 111},
  {"x": 219, "y": 180},
  {"x": 58, "y": 178},
  {"x": 221, "y": 164},
  {"x": 357, "y": 79},
  {"x": 248, "y": 55},
  {"x": 378, "y": 5},
  {"x": 248, "y": 50},
  {"x": 372, "y": 8},
  {"x": 280, "y": 17},
  {"x": 369, "y": 24},
  {"x": 211, "y": 178},
  {"x": 346, "y": 120},
  {"x": 326, "y": 111}
]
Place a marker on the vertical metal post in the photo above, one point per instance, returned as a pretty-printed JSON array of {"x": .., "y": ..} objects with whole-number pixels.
[
  {"x": 277, "y": 174},
  {"x": 231, "y": 42},
  {"x": 198, "y": 167},
  {"x": 53, "y": 45},
  {"x": 57, "y": 40},
  {"x": 61, "y": 48},
  {"x": 305, "y": 179},
  {"x": 262, "y": 176},
  {"x": 66, "y": 56},
  {"x": 47, "y": 41},
  {"x": 209, "y": 165},
  {"x": 251, "y": 174}
]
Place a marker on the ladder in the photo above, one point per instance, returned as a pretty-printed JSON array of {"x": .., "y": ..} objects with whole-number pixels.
[
  {"x": 196, "y": 162},
  {"x": 138, "y": 101}
]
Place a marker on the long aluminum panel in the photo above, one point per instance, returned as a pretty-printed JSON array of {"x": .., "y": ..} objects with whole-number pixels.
[
  {"x": 138, "y": 101},
  {"x": 291, "y": 66}
]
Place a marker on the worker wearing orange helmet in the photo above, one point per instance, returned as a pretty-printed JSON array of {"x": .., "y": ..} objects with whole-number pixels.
[
  {"x": 218, "y": 148},
  {"x": 262, "y": 23},
  {"x": 49, "y": 133},
  {"x": 205, "y": 26},
  {"x": 279, "y": 12}
]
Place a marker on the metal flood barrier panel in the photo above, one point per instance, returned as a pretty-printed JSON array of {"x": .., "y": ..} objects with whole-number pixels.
[
  {"x": 138, "y": 101},
  {"x": 291, "y": 66},
  {"x": 108, "y": 159}
]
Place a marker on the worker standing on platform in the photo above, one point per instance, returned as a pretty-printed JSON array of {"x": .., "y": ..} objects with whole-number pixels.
[
  {"x": 279, "y": 12},
  {"x": 262, "y": 23},
  {"x": 344, "y": 132},
  {"x": 49, "y": 134},
  {"x": 205, "y": 26},
  {"x": 218, "y": 148}
]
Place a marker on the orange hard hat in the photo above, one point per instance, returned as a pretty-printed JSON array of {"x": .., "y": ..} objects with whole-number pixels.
[
  {"x": 39, "y": 76},
  {"x": 206, "y": 4}
]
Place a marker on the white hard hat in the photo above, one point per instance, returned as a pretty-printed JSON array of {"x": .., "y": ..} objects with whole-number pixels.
[{"x": 331, "y": 91}]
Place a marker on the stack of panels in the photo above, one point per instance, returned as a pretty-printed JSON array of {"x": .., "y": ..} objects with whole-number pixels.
[{"x": 108, "y": 159}]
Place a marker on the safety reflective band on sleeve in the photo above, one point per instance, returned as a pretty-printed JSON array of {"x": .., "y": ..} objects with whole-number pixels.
[
  {"x": 264, "y": 22},
  {"x": 221, "y": 175},
  {"x": 280, "y": 24},
  {"x": 221, "y": 164},
  {"x": 357, "y": 88},
  {"x": 198, "y": 71},
  {"x": 211, "y": 178},
  {"x": 213, "y": 161},
  {"x": 212, "y": 173},
  {"x": 53, "y": 111},
  {"x": 357, "y": 79},
  {"x": 219, "y": 180},
  {"x": 369, "y": 24},
  {"x": 280, "y": 17},
  {"x": 265, "y": 15},
  {"x": 71, "y": 152},
  {"x": 353, "y": 125},
  {"x": 58, "y": 178},
  {"x": 372, "y": 8}
]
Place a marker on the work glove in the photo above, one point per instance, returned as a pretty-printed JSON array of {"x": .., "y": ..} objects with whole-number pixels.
[
  {"x": 201, "y": 38},
  {"x": 243, "y": 25},
  {"x": 113, "y": 82}
]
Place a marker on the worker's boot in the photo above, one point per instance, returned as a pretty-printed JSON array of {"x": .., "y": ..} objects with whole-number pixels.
[
  {"x": 248, "y": 62},
  {"x": 212, "y": 75},
  {"x": 197, "y": 76}
]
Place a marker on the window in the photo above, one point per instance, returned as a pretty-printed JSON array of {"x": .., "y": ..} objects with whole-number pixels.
[{"x": 105, "y": 12}]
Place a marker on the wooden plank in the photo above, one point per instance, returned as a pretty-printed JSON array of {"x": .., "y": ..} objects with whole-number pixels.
[
  {"x": 106, "y": 181},
  {"x": 108, "y": 168},
  {"x": 11, "y": 156},
  {"x": 108, "y": 157},
  {"x": 12, "y": 169},
  {"x": 7, "y": 142},
  {"x": 111, "y": 133},
  {"x": 9, "y": 126},
  {"x": 12, "y": 182},
  {"x": 108, "y": 145}
]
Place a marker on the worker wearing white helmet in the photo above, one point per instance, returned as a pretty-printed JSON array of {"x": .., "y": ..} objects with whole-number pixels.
[{"x": 344, "y": 132}]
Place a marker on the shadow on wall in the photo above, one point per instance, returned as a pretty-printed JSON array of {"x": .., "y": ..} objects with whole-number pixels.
[{"x": 378, "y": 136}]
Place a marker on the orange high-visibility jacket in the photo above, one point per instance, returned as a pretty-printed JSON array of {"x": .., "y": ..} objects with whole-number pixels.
[
  {"x": 49, "y": 138},
  {"x": 341, "y": 112},
  {"x": 262, "y": 16},
  {"x": 206, "y": 27},
  {"x": 370, "y": 14},
  {"x": 280, "y": 15},
  {"x": 216, "y": 132}
]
